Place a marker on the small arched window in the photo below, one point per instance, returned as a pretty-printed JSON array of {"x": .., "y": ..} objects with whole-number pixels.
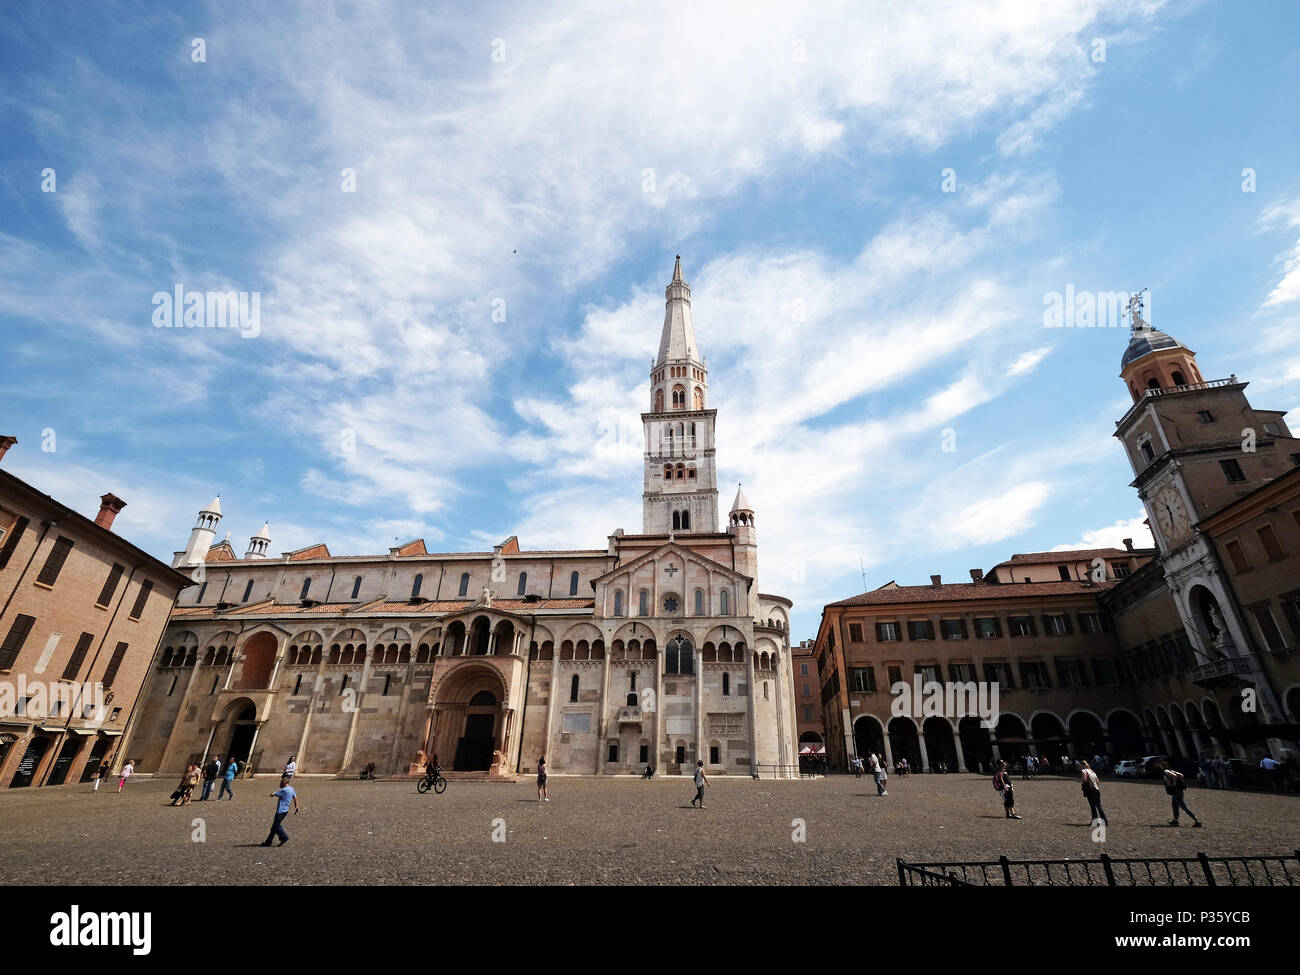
[
  {"x": 1179, "y": 379},
  {"x": 765, "y": 697},
  {"x": 699, "y": 398},
  {"x": 659, "y": 400},
  {"x": 632, "y": 700},
  {"x": 699, "y": 602},
  {"x": 668, "y": 472},
  {"x": 306, "y": 588},
  {"x": 686, "y": 521},
  {"x": 523, "y": 582},
  {"x": 356, "y": 587},
  {"x": 464, "y": 584},
  {"x": 643, "y": 606},
  {"x": 1153, "y": 383},
  {"x": 726, "y": 684},
  {"x": 679, "y": 398},
  {"x": 618, "y": 602},
  {"x": 415, "y": 586},
  {"x": 573, "y": 584},
  {"x": 248, "y": 591},
  {"x": 725, "y": 604},
  {"x": 677, "y": 524},
  {"x": 681, "y": 472},
  {"x": 573, "y": 688}
]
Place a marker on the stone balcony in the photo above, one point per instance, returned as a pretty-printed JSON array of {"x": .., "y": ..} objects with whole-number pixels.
[
  {"x": 1225, "y": 671},
  {"x": 629, "y": 716}
]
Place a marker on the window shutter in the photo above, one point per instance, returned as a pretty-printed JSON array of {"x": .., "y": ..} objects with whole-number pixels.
[
  {"x": 1291, "y": 609},
  {"x": 1069, "y": 627},
  {"x": 13, "y": 644},
  {"x": 114, "y": 664},
  {"x": 141, "y": 598},
  {"x": 11, "y": 543},
  {"x": 1105, "y": 621},
  {"x": 1033, "y": 627},
  {"x": 110, "y": 585},
  {"x": 78, "y": 657},
  {"x": 54, "y": 563}
]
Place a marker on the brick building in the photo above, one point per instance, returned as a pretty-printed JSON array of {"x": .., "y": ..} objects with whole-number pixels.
[
  {"x": 1188, "y": 649},
  {"x": 83, "y": 612}
]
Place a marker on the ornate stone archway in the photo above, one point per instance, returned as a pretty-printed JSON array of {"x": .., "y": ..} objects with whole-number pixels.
[{"x": 472, "y": 721}]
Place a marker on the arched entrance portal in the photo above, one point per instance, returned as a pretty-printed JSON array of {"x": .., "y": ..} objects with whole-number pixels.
[
  {"x": 471, "y": 722},
  {"x": 243, "y": 732}
]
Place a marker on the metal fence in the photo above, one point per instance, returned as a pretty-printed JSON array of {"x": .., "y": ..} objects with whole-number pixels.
[{"x": 1106, "y": 871}]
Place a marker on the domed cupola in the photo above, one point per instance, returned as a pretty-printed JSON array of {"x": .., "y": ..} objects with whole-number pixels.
[{"x": 1155, "y": 359}]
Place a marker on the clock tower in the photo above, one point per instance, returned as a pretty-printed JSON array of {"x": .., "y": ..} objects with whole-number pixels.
[{"x": 1195, "y": 446}]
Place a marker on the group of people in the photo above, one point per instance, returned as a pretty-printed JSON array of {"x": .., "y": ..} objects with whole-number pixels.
[
  {"x": 1034, "y": 765},
  {"x": 877, "y": 766},
  {"x": 1174, "y": 781},
  {"x": 210, "y": 773}
]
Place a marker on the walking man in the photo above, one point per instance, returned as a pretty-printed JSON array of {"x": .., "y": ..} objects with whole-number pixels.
[
  {"x": 101, "y": 775},
  {"x": 285, "y": 795},
  {"x": 883, "y": 784},
  {"x": 209, "y": 776},
  {"x": 1092, "y": 792},
  {"x": 232, "y": 769},
  {"x": 701, "y": 780},
  {"x": 1175, "y": 785},
  {"x": 876, "y": 773}
]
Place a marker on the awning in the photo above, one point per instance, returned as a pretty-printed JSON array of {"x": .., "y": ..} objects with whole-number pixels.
[
  {"x": 83, "y": 731},
  {"x": 54, "y": 729},
  {"x": 110, "y": 734},
  {"x": 809, "y": 750}
]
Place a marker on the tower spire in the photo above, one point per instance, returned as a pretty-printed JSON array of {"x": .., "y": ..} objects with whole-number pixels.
[{"x": 677, "y": 342}]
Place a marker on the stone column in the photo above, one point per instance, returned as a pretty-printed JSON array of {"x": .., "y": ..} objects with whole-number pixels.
[
  {"x": 602, "y": 720},
  {"x": 753, "y": 704},
  {"x": 659, "y": 704},
  {"x": 701, "y": 747},
  {"x": 925, "y": 756}
]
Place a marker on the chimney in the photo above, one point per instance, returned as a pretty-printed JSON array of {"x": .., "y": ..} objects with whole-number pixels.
[
  {"x": 936, "y": 580},
  {"x": 1128, "y": 544},
  {"x": 977, "y": 576},
  {"x": 5, "y": 444},
  {"x": 109, "y": 506}
]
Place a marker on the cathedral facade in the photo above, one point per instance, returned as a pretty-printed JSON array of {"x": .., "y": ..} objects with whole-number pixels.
[{"x": 657, "y": 650}]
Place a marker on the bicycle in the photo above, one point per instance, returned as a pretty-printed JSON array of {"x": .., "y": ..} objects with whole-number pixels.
[{"x": 432, "y": 780}]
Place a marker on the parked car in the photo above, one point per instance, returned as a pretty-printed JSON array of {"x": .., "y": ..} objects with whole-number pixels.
[
  {"x": 1129, "y": 768},
  {"x": 1151, "y": 764},
  {"x": 1248, "y": 775}
]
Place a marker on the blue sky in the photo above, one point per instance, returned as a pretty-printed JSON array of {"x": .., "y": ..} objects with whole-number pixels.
[{"x": 550, "y": 161}]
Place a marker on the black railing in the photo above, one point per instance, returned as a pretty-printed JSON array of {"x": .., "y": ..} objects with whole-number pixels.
[
  {"x": 1107, "y": 871},
  {"x": 777, "y": 771}
]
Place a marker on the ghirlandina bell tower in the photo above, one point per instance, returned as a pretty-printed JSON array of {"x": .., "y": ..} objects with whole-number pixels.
[{"x": 681, "y": 489}]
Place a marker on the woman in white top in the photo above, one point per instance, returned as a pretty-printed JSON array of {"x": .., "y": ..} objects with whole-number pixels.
[{"x": 1092, "y": 792}]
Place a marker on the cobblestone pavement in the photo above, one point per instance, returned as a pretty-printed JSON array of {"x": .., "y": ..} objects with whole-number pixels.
[{"x": 607, "y": 831}]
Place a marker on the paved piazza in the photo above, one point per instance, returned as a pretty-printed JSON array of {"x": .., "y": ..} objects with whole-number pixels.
[{"x": 608, "y": 831}]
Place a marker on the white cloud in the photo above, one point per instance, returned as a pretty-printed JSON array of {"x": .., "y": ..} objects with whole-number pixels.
[{"x": 1112, "y": 536}]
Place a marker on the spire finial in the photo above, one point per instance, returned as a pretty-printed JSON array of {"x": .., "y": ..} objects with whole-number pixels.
[
  {"x": 1135, "y": 311},
  {"x": 677, "y": 270}
]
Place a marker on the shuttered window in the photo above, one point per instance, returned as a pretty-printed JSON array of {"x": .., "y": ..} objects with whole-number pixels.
[
  {"x": 141, "y": 598},
  {"x": 54, "y": 562},
  {"x": 78, "y": 657},
  {"x": 118, "y": 653},
  {"x": 13, "y": 644},
  {"x": 110, "y": 585},
  {"x": 11, "y": 542}
]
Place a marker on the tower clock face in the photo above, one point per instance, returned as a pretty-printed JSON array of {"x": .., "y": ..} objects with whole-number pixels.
[{"x": 1171, "y": 515}]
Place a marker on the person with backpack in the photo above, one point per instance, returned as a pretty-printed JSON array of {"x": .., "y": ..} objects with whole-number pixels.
[
  {"x": 1175, "y": 786},
  {"x": 1092, "y": 792},
  {"x": 1002, "y": 783}
]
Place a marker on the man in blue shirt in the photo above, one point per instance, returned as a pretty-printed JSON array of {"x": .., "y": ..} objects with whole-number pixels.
[
  {"x": 232, "y": 769},
  {"x": 286, "y": 796}
]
